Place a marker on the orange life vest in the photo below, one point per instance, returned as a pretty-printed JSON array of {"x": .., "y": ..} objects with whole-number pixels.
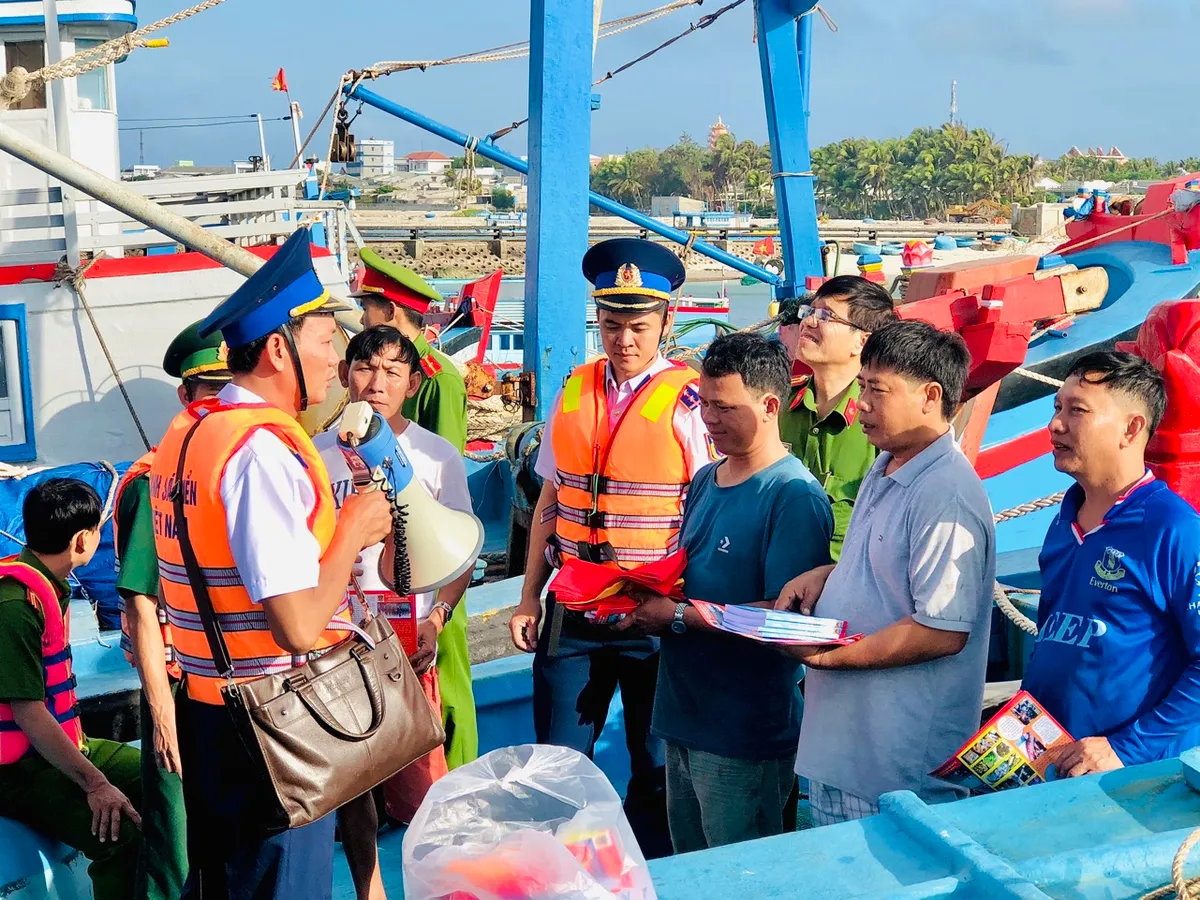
[
  {"x": 253, "y": 651},
  {"x": 56, "y": 664},
  {"x": 621, "y": 484},
  {"x": 139, "y": 468}
]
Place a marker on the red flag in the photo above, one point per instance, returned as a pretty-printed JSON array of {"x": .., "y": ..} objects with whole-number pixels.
[
  {"x": 280, "y": 82},
  {"x": 765, "y": 247}
]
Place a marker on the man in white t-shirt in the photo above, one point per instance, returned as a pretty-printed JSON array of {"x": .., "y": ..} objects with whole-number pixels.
[{"x": 382, "y": 368}]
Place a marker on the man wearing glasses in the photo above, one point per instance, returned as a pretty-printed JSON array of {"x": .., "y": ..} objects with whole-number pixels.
[{"x": 825, "y": 336}]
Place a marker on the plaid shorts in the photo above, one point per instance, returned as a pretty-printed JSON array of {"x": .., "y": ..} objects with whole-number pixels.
[{"x": 830, "y": 805}]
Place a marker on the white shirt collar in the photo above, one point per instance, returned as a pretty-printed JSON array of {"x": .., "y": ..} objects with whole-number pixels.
[
  {"x": 232, "y": 393},
  {"x": 610, "y": 380}
]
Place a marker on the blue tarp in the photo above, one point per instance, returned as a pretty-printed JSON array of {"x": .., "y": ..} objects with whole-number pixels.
[{"x": 97, "y": 580}]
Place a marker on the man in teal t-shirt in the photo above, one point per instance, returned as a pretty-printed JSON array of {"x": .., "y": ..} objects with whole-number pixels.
[{"x": 753, "y": 521}]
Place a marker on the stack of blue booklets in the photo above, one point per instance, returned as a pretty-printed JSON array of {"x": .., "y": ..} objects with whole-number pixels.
[{"x": 773, "y": 626}]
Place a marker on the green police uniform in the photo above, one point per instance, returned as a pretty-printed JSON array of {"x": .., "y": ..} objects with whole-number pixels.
[
  {"x": 440, "y": 405},
  {"x": 164, "y": 820},
  {"x": 835, "y": 449},
  {"x": 35, "y": 792}
]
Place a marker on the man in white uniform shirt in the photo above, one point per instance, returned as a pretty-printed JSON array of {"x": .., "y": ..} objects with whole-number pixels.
[{"x": 381, "y": 368}]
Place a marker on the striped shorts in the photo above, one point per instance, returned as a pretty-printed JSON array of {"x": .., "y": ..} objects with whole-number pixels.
[{"x": 830, "y": 805}]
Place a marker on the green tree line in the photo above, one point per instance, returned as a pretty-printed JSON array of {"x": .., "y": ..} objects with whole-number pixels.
[{"x": 922, "y": 175}]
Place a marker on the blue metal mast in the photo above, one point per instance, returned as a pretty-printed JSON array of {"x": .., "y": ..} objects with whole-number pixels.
[
  {"x": 784, "y": 52},
  {"x": 560, "y": 129},
  {"x": 560, "y": 63}
]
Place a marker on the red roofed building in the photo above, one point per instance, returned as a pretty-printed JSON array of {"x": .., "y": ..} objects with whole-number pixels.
[{"x": 427, "y": 162}]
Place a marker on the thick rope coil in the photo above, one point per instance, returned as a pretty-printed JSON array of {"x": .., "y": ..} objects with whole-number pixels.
[
  {"x": 1181, "y": 887},
  {"x": 17, "y": 84},
  {"x": 1014, "y": 615},
  {"x": 483, "y": 456},
  {"x": 999, "y": 592}
]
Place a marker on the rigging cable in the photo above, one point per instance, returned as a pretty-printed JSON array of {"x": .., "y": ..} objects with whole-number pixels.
[{"x": 16, "y": 85}]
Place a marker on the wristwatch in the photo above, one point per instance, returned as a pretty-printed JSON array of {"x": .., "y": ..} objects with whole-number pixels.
[
  {"x": 677, "y": 624},
  {"x": 446, "y": 609}
]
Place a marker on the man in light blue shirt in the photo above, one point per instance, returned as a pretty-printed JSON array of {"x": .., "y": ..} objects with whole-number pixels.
[
  {"x": 915, "y": 577},
  {"x": 727, "y": 707}
]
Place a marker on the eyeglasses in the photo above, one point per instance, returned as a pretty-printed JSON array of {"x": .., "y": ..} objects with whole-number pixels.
[{"x": 822, "y": 315}]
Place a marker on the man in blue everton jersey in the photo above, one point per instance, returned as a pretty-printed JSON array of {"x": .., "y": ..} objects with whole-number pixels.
[{"x": 1117, "y": 659}]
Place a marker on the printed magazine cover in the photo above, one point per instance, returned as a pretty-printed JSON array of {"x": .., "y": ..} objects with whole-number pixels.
[{"x": 1011, "y": 750}]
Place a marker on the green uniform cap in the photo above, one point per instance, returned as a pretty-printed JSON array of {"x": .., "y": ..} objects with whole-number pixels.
[{"x": 191, "y": 356}]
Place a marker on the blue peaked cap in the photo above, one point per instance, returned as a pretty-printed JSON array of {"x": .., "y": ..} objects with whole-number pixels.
[
  {"x": 632, "y": 274},
  {"x": 285, "y": 287}
]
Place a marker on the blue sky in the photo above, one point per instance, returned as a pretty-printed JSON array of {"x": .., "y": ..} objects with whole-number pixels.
[{"x": 1040, "y": 74}]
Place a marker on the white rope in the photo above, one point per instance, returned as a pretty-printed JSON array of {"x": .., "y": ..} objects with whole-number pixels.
[
  {"x": 1179, "y": 886},
  {"x": 1006, "y": 606},
  {"x": 999, "y": 592},
  {"x": 833, "y": 26},
  {"x": 16, "y": 85},
  {"x": 520, "y": 49},
  {"x": 1037, "y": 376}
]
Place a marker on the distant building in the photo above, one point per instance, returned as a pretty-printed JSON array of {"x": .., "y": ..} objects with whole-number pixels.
[
  {"x": 1114, "y": 154},
  {"x": 428, "y": 162},
  {"x": 719, "y": 129},
  {"x": 376, "y": 159},
  {"x": 140, "y": 172},
  {"x": 668, "y": 207}
]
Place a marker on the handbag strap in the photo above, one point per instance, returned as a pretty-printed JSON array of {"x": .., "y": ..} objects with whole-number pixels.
[{"x": 216, "y": 641}]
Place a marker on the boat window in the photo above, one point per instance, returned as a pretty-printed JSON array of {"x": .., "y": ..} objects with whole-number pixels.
[
  {"x": 16, "y": 425},
  {"x": 505, "y": 342},
  {"x": 92, "y": 86},
  {"x": 518, "y": 341},
  {"x": 31, "y": 56}
]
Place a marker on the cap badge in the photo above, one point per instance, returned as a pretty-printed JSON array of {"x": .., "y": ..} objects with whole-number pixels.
[
  {"x": 223, "y": 352},
  {"x": 629, "y": 276}
]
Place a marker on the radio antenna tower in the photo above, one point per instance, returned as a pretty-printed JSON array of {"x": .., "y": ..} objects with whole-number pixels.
[{"x": 953, "y": 102}]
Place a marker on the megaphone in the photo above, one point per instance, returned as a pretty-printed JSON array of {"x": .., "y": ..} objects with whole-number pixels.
[{"x": 434, "y": 545}]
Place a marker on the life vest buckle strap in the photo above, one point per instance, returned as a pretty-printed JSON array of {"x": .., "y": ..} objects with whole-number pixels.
[{"x": 599, "y": 553}]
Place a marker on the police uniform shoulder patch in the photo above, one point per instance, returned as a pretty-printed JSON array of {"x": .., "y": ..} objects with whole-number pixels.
[
  {"x": 430, "y": 366},
  {"x": 690, "y": 397},
  {"x": 803, "y": 389}
]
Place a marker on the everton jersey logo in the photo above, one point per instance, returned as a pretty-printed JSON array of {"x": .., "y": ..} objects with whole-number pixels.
[{"x": 1109, "y": 565}]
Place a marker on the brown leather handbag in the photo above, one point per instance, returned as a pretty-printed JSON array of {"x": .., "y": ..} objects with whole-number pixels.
[{"x": 325, "y": 732}]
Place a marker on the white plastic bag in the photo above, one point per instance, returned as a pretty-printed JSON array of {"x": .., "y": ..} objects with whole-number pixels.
[{"x": 533, "y": 822}]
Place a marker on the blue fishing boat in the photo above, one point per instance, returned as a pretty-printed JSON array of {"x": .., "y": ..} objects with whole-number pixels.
[
  {"x": 1109, "y": 836},
  {"x": 866, "y": 249}
]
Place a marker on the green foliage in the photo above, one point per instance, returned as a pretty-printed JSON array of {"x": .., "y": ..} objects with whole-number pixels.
[
  {"x": 921, "y": 176},
  {"x": 503, "y": 199}
]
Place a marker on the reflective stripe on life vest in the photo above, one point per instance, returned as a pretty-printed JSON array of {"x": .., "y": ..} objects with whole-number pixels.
[
  {"x": 252, "y": 648},
  {"x": 138, "y": 469},
  {"x": 57, "y": 671},
  {"x": 607, "y": 520},
  {"x": 620, "y": 484}
]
